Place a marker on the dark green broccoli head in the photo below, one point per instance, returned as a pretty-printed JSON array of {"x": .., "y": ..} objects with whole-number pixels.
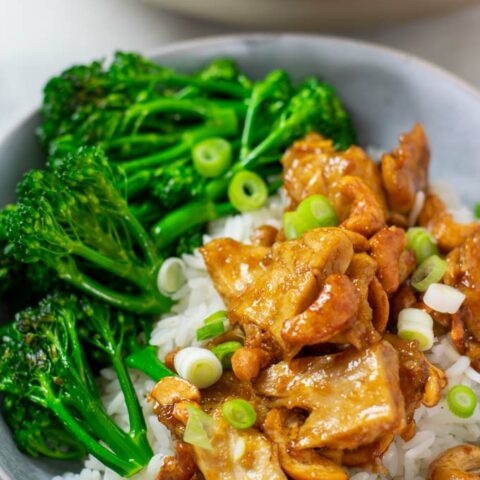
[
  {"x": 38, "y": 433},
  {"x": 176, "y": 184}
]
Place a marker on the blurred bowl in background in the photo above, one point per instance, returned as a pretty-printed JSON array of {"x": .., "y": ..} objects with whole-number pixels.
[{"x": 309, "y": 14}]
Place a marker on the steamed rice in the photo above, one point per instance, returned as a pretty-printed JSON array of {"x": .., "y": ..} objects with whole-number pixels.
[{"x": 437, "y": 428}]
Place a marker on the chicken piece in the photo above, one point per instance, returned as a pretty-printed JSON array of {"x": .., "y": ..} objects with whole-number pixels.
[
  {"x": 366, "y": 215},
  {"x": 313, "y": 166},
  {"x": 420, "y": 381},
  {"x": 289, "y": 285},
  {"x": 457, "y": 463},
  {"x": 387, "y": 247},
  {"x": 264, "y": 236},
  {"x": 238, "y": 454},
  {"x": 463, "y": 272},
  {"x": 359, "y": 242},
  {"x": 362, "y": 332},
  {"x": 448, "y": 233},
  {"x": 333, "y": 312},
  {"x": 280, "y": 425},
  {"x": 232, "y": 265},
  {"x": 179, "y": 467},
  {"x": 405, "y": 170},
  {"x": 353, "y": 398}
]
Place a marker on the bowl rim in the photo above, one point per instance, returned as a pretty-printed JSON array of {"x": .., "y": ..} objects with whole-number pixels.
[{"x": 212, "y": 40}]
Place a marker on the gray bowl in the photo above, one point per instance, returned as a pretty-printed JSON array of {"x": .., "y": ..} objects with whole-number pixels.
[{"x": 386, "y": 91}]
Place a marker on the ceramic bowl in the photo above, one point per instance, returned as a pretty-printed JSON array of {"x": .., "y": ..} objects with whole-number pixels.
[
  {"x": 386, "y": 91},
  {"x": 309, "y": 14}
]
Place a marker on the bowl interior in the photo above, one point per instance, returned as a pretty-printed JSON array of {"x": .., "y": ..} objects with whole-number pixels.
[{"x": 386, "y": 91}]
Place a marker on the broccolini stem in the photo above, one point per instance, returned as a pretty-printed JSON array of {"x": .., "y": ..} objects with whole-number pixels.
[
  {"x": 156, "y": 159},
  {"x": 126, "y": 270},
  {"x": 151, "y": 139},
  {"x": 147, "y": 361},
  {"x": 125, "y": 467},
  {"x": 138, "y": 428},
  {"x": 153, "y": 303},
  {"x": 137, "y": 183},
  {"x": 186, "y": 217},
  {"x": 168, "y": 77}
]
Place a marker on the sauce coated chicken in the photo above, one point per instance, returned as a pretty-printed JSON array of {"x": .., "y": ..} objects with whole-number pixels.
[{"x": 331, "y": 382}]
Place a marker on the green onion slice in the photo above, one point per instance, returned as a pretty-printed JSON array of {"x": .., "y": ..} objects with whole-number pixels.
[
  {"x": 199, "y": 428},
  {"x": 462, "y": 401},
  {"x": 430, "y": 271},
  {"x": 198, "y": 366},
  {"x": 416, "y": 324},
  {"x": 225, "y": 351},
  {"x": 212, "y": 329},
  {"x": 318, "y": 209},
  {"x": 247, "y": 191},
  {"x": 422, "y": 243},
  {"x": 216, "y": 316},
  {"x": 212, "y": 157},
  {"x": 294, "y": 226},
  {"x": 171, "y": 275},
  {"x": 239, "y": 413}
]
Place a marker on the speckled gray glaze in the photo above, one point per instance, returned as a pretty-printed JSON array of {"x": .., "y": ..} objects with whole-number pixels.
[{"x": 386, "y": 91}]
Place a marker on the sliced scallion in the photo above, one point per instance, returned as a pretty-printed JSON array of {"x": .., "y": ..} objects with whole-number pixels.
[
  {"x": 198, "y": 429},
  {"x": 443, "y": 298},
  {"x": 224, "y": 352},
  {"x": 171, "y": 275},
  {"x": 247, "y": 191},
  {"x": 416, "y": 324},
  {"x": 421, "y": 241},
  {"x": 239, "y": 413},
  {"x": 211, "y": 330},
  {"x": 462, "y": 401},
  {"x": 199, "y": 366},
  {"x": 212, "y": 157},
  {"x": 294, "y": 226},
  {"x": 318, "y": 210},
  {"x": 430, "y": 271}
]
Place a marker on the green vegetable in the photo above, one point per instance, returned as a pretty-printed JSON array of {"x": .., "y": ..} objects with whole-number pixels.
[
  {"x": 198, "y": 429},
  {"x": 422, "y": 243},
  {"x": 147, "y": 361},
  {"x": 294, "y": 225},
  {"x": 224, "y": 352},
  {"x": 43, "y": 361},
  {"x": 210, "y": 330},
  {"x": 430, "y": 271},
  {"x": 72, "y": 219},
  {"x": 247, "y": 191},
  {"x": 416, "y": 324},
  {"x": 317, "y": 209},
  {"x": 212, "y": 157},
  {"x": 239, "y": 413},
  {"x": 171, "y": 276},
  {"x": 38, "y": 433},
  {"x": 462, "y": 401},
  {"x": 477, "y": 210}
]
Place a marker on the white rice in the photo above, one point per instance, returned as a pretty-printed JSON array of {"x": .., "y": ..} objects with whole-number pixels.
[{"x": 437, "y": 428}]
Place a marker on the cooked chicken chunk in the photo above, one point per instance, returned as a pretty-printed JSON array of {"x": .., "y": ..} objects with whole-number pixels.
[
  {"x": 448, "y": 233},
  {"x": 235, "y": 454},
  {"x": 395, "y": 263},
  {"x": 313, "y": 166},
  {"x": 179, "y": 467},
  {"x": 458, "y": 463},
  {"x": 353, "y": 397},
  {"x": 405, "y": 170},
  {"x": 233, "y": 265},
  {"x": 289, "y": 285},
  {"x": 463, "y": 272},
  {"x": 282, "y": 424}
]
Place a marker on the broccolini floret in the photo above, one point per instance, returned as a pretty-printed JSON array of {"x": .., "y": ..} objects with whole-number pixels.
[
  {"x": 42, "y": 361},
  {"x": 73, "y": 219}
]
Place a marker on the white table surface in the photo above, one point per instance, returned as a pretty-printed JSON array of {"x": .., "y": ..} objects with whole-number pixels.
[{"x": 40, "y": 37}]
